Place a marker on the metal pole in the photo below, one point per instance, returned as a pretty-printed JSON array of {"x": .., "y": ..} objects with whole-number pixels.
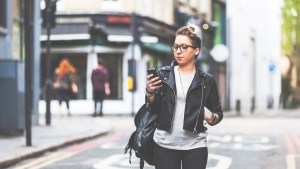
[
  {"x": 48, "y": 64},
  {"x": 28, "y": 5},
  {"x": 134, "y": 41},
  {"x": 133, "y": 66}
]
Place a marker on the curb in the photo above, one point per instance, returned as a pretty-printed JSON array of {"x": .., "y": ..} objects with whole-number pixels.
[{"x": 9, "y": 162}]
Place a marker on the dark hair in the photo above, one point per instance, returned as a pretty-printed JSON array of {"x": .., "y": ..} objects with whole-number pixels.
[
  {"x": 100, "y": 61},
  {"x": 196, "y": 41}
]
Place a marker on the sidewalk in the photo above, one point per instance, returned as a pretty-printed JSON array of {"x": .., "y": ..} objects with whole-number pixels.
[
  {"x": 63, "y": 131},
  {"x": 271, "y": 113}
]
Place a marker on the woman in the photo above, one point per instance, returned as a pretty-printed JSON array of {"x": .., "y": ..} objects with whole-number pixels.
[
  {"x": 64, "y": 83},
  {"x": 184, "y": 97}
]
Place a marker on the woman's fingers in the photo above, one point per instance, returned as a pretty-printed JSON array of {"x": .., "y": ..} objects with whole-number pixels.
[{"x": 153, "y": 83}]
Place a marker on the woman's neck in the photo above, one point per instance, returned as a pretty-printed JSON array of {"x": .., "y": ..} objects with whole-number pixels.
[{"x": 190, "y": 68}]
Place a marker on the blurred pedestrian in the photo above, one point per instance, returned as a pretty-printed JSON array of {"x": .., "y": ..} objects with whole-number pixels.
[
  {"x": 64, "y": 83},
  {"x": 184, "y": 97},
  {"x": 101, "y": 87}
]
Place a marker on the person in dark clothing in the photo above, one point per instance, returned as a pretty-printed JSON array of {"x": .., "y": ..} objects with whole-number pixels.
[
  {"x": 101, "y": 88},
  {"x": 64, "y": 83}
]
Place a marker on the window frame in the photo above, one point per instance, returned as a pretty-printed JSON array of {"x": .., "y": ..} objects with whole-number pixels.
[{"x": 3, "y": 17}]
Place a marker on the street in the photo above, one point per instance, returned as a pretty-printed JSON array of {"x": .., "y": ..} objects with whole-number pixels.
[{"x": 237, "y": 142}]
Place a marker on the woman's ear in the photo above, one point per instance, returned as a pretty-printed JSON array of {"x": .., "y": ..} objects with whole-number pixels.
[{"x": 197, "y": 51}]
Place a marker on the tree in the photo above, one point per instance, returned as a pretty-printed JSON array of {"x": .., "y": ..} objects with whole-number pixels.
[{"x": 291, "y": 48}]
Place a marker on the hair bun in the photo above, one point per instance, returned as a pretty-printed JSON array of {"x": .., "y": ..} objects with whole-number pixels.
[{"x": 195, "y": 30}]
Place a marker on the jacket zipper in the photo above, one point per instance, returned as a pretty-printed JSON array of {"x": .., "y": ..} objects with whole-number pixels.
[
  {"x": 195, "y": 128},
  {"x": 173, "y": 107}
]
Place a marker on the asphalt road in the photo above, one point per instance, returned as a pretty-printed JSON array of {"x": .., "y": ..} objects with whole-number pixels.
[{"x": 236, "y": 143}]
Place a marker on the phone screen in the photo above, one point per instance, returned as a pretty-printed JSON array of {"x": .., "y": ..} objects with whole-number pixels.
[{"x": 152, "y": 71}]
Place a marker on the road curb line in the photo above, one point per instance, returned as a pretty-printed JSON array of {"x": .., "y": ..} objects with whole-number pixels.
[{"x": 11, "y": 161}]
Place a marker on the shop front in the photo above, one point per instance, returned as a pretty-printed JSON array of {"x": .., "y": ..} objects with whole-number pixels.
[{"x": 85, "y": 38}]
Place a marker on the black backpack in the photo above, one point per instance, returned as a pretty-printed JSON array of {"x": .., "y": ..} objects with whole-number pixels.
[{"x": 141, "y": 140}]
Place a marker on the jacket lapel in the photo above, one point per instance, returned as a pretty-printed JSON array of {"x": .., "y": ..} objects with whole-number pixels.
[{"x": 197, "y": 81}]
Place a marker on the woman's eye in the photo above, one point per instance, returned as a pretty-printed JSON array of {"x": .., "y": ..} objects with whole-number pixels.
[{"x": 184, "y": 47}]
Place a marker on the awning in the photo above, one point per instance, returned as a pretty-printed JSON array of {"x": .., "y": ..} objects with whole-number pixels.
[{"x": 158, "y": 47}]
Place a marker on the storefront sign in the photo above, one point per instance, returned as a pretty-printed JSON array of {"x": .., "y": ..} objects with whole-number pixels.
[{"x": 119, "y": 19}]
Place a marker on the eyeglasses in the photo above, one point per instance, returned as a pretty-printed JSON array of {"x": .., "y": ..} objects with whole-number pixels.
[{"x": 183, "y": 47}]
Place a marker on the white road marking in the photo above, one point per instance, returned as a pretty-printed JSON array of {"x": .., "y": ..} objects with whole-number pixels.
[
  {"x": 119, "y": 161},
  {"x": 237, "y": 146},
  {"x": 224, "y": 139},
  {"x": 264, "y": 147},
  {"x": 214, "y": 145},
  {"x": 252, "y": 139},
  {"x": 223, "y": 161},
  {"x": 291, "y": 161}
]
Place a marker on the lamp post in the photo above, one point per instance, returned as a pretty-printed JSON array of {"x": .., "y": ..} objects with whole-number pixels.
[
  {"x": 28, "y": 25},
  {"x": 132, "y": 62}
]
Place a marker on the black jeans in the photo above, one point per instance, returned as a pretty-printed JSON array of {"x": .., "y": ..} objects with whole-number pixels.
[
  {"x": 64, "y": 95},
  {"x": 98, "y": 96},
  {"x": 165, "y": 158}
]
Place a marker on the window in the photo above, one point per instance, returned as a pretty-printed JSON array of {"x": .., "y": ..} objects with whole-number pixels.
[
  {"x": 3, "y": 15},
  {"x": 113, "y": 63},
  {"x": 17, "y": 29}
]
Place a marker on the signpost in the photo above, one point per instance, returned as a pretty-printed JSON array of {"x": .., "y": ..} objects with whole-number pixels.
[{"x": 49, "y": 22}]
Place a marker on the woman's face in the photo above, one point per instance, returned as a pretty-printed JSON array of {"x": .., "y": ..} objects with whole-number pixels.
[{"x": 185, "y": 53}]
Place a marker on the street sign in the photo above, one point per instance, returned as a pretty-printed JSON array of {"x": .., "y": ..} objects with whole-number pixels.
[{"x": 272, "y": 68}]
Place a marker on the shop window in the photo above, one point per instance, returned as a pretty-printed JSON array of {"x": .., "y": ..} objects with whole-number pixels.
[
  {"x": 3, "y": 15},
  {"x": 17, "y": 29},
  {"x": 78, "y": 60},
  {"x": 113, "y": 63}
]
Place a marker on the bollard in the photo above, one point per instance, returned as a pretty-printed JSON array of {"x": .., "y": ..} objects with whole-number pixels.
[{"x": 238, "y": 107}]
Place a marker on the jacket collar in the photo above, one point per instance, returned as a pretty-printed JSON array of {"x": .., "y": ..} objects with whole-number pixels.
[
  {"x": 197, "y": 81},
  {"x": 198, "y": 70}
]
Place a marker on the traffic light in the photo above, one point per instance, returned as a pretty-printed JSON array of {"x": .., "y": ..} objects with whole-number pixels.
[
  {"x": 131, "y": 75},
  {"x": 51, "y": 5}
]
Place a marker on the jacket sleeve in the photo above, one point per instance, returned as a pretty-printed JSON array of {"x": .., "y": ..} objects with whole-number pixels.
[
  {"x": 155, "y": 106},
  {"x": 213, "y": 103}
]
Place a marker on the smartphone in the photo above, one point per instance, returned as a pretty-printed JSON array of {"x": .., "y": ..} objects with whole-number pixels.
[{"x": 152, "y": 71}]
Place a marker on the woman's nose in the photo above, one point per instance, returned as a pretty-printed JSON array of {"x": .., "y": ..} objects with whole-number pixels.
[{"x": 178, "y": 50}]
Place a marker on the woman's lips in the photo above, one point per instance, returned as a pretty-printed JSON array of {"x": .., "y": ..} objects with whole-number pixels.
[{"x": 179, "y": 58}]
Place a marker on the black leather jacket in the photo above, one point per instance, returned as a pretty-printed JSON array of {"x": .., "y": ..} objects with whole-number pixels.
[{"x": 202, "y": 93}]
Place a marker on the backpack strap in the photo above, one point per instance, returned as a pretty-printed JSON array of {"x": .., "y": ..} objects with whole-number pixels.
[
  {"x": 129, "y": 146},
  {"x": 141, "y": 163}
]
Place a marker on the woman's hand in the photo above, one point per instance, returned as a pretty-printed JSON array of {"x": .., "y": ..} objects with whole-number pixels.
[
  {"x": 153, "y": 84},
  {"x": 208, "y": 115}
]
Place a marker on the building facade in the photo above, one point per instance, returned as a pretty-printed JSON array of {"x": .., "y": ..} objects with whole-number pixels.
[
  {"x": 122, "y": 33},
  {"x": 12, "y": 66},
  {"x": 254, "y": 39}
]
